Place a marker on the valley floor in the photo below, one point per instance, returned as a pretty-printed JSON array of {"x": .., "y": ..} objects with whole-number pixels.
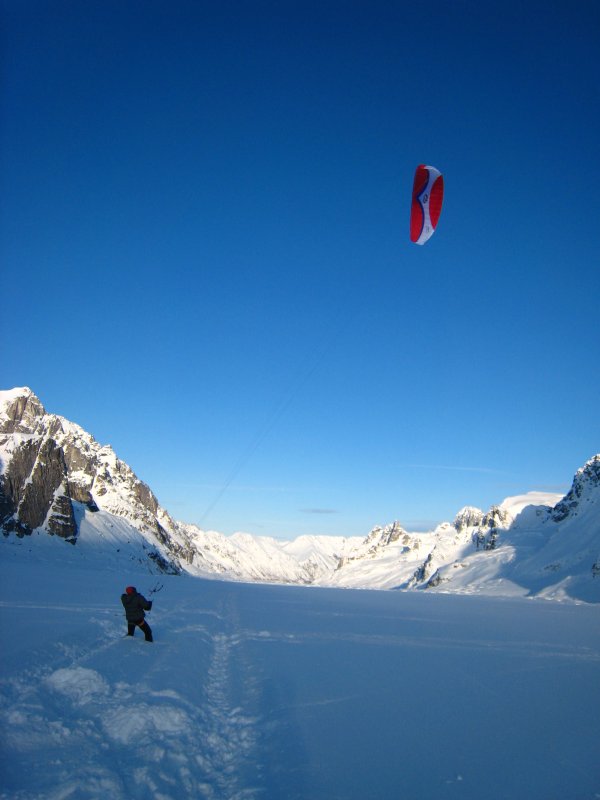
[{"x": 285, "y": 693}]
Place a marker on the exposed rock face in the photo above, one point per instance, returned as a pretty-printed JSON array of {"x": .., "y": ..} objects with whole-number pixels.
[
  {"x": 12, "y": 485},
  {"x": 44, "y": 498},
  {"x": 34, "y": 489}
]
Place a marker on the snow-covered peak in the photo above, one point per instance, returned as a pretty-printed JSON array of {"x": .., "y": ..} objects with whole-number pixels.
[
  {"x": 468, "y": 517},
  {"x": 20, "y": 410},
  {"x": 382, "y": 536},
  {"x": 8, "y": 395},
  {"x": 584, "y": 490}
]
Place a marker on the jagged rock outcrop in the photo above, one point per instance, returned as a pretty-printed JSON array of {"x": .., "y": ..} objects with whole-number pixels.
[
  {"x": 423, "y": 573},
  {"x": 381, "y": 537},
  {"x": 377, "y": 540},
  {"x": 468, "y": 517},
  {"x": 23, "y": 413},
  {"x": 586, "y": 479}
]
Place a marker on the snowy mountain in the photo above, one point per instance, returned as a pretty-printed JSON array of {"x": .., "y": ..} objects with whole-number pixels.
[{"x": 56, "y": 479}]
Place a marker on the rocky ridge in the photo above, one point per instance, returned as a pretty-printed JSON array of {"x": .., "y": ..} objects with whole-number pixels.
[{"x": 50, "y": 464}]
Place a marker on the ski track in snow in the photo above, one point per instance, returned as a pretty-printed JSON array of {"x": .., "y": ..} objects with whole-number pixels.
[{"x": 136, "y": 737}]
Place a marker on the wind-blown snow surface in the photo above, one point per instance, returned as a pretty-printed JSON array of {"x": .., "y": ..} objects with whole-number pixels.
[{"x": 259, "y": 691}]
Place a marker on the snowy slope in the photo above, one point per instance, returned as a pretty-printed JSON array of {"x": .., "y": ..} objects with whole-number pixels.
[
  {"x": 526, "y": 549},
  {"x": 55, "y": 478},
  {"x": 262, "y": 692}
]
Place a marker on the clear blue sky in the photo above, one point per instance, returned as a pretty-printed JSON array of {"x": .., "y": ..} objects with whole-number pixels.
[{"x": 206, "y": 260}]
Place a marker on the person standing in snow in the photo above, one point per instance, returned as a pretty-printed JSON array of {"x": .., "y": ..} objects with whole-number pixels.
[{"x": 135, "y": 604}]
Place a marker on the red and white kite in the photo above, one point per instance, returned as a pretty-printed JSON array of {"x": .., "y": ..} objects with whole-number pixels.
[{"x": 427, "y": 197}]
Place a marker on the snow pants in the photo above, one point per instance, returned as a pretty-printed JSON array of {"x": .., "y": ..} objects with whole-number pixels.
[{"x": 143, "y": 626}]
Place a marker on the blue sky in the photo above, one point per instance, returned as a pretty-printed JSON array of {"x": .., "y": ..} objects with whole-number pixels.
[{"x": 206, "y": 260}]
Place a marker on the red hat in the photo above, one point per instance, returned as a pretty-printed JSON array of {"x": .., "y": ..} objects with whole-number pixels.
[{"x": 130, "y": 590}]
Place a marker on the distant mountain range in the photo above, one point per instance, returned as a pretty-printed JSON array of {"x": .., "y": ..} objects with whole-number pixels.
[{"x": 57, "y": 481}]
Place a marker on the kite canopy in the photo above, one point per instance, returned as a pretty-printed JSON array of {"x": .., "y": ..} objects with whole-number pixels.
[{"x": 427, "y": 197}]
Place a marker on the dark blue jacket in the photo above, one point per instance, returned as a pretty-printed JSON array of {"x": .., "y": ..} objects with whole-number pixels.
[{"x": 135, "y": 604}]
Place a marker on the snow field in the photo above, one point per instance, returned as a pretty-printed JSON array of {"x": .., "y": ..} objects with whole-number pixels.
[
  {"x": 257, "y": 691},
  {"x": 105, "y": 715}
]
